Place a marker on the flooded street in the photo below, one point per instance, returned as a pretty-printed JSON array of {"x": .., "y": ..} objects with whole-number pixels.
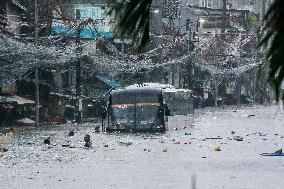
[{"x": 184, "y": 158}]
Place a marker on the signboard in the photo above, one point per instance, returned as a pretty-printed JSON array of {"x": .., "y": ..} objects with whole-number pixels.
[{"x": 102, "y": 26}]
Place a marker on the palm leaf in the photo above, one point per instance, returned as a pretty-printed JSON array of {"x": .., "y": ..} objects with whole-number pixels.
[
  {"x": 274, "y": 29},
  {"x": 132, "y": 20}
]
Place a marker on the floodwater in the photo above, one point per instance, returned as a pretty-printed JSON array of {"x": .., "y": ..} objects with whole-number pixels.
[{"x": 183, "y": 158}]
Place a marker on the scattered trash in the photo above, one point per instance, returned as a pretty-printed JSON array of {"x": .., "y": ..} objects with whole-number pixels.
[
  {"x": 165, "y": 149},
  {"x": 214, "y": 138},
  {"x": 125, "y": 143},
  {"x": 277, "y": 153},
  {"x": 3, "y": 150},
  {"x": 238, "y": 138},
  {"x": 15, "y": 130},
  {"x": 71, "y": 133},
  {"x": 233, "y": 132},
  {"x": 145, "y": 149},
  {"x": 175, "y": 129},
  {"x": 177, "y": 142},
  {"x": 8, "y": 136},
  {"x": 217, "y": 149},
  {"x": 184, "y": 127},
  {"x": 72, "y": 146},
  {"x": 187, "y": 133}
]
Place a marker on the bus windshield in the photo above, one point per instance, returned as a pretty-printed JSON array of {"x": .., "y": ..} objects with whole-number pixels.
[{"x": 136, "y": 109}]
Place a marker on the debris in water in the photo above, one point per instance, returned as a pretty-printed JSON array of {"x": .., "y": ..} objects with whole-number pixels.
[
  {"x": 165, "y": 149},
  {"x": 238, "y": 138},
  {"x": 217, "y": 149},
  {"x": 3, "y": 150},
  {"x": 71, "y": 133},
  {"x": 125, "y": 143}
]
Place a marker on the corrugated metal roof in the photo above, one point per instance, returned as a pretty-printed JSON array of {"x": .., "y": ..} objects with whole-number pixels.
[{"x": 18, "y": 99}]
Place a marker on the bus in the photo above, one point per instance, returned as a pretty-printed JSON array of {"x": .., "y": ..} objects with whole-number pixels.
[
  {"x": 136, "y": 109},
  {"x": 149, "y": 106}
]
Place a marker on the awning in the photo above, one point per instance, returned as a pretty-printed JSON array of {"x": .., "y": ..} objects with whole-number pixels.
[{"x": 110, "y": 82}]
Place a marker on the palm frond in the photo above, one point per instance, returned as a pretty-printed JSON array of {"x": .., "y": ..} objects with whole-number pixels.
[
  {"x": 274, "y": 39},
  {"x": 132, "y": 20}
]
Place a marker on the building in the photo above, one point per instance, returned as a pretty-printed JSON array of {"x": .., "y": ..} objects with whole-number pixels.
[
  {"x": 14, "y": 107},
  {"x": 11, "y": 16}
]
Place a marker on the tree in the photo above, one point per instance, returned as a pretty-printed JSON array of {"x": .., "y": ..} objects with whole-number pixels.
[
  {"x": 274, "y": 38},
  {"x": 133, "y": 19}
]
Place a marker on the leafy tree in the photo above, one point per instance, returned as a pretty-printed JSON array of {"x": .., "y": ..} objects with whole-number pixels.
[
  {"x": 132, "y": 19},
  {"x": 274, "y": 39}
]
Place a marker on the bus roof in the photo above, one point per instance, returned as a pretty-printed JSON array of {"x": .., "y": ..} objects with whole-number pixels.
[
  {"x": 150, "y": 85},
  {"x": 136, "y": 91}
]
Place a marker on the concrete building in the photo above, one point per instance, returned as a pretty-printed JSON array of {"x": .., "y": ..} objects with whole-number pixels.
[{"x": 11, "y": 16}]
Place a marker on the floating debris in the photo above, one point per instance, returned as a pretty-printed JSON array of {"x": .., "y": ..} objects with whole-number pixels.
[
  {"x": 238, "y": 138},
  {"x": 71, "y": 133},
  {"x": 217, "y": 149},
  {"x": 214, "y": 138},
  {"x": 165, "y": 149},
  {"x": 3, "y": 150},
  {"x": 125, "y": 143}
]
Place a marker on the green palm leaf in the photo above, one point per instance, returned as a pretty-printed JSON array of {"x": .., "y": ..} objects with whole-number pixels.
[
  {"x": 274, "y": 29},
  {"x": 132, "y": 20}
]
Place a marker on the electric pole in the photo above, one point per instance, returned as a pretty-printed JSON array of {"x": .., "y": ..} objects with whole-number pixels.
[
  {"x": 223, "y": 29},
  {"x": 36, "y": 66},
  {"x": 78, "y": 70}
]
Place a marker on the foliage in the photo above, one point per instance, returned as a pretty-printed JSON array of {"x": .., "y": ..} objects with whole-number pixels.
[
  {"x": 274, "y": 37},
  {"x": 132, "y": 19},
  {"x": 254, "y": 22}
]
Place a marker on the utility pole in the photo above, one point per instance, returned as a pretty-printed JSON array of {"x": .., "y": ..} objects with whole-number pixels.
[
  {"x": 36, "y": 65},
  {"x": 78, "y": 70},
  {"x": 223, "y": 29},
  {"x": 216, "y": 86}
]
